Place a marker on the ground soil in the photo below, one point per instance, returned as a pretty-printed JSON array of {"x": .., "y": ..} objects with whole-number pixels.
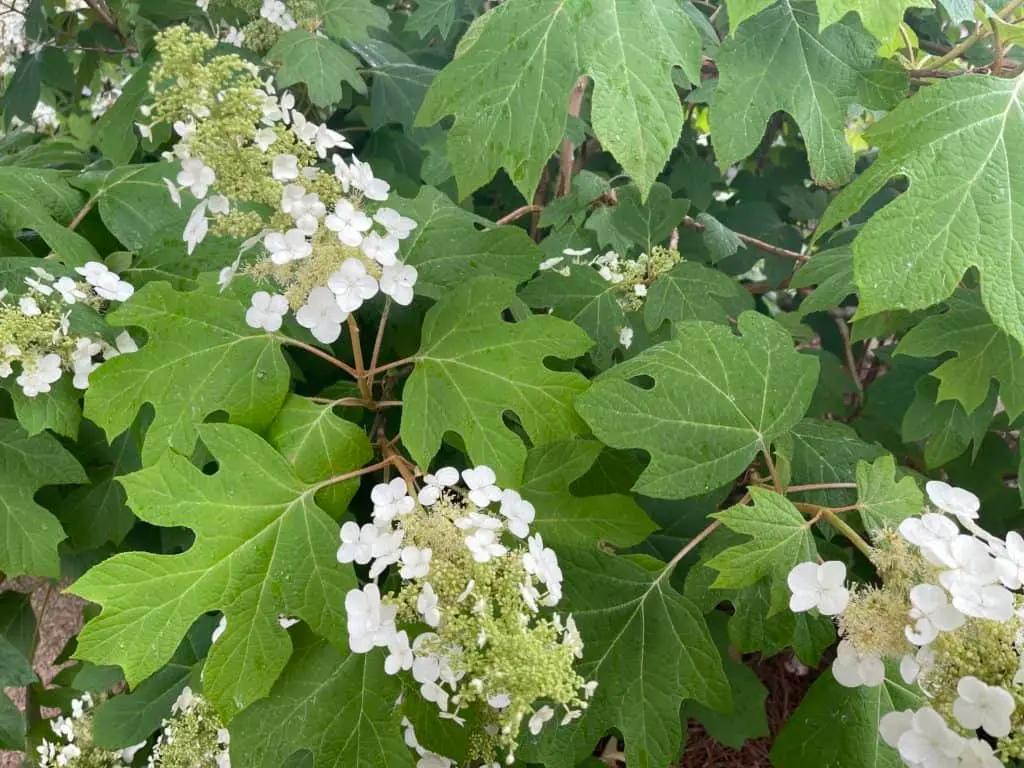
[{"x": 59, "y": 617}]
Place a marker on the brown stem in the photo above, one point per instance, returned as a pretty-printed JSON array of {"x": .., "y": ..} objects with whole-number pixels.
[
  {"x": 357, "y": 355},
  {"x": 766, "y": 452},
  {"x": 565, "y": 158},
  {"x": 82, "y": 213},
  {"x": 691, "y": 544},
  {"x": 319, "y": 353},
  {"x": 379, "y": 338},
  {"x": 768, "y": 247},
  {"x": 393, "y": 364},
  {"x": 819, "y": 487},
  {"x": 518, "y": 213},
  {"x": 354, "y": 473},
  {"x": 997, "y": 64},
  {"x": 851, "y": 364}
]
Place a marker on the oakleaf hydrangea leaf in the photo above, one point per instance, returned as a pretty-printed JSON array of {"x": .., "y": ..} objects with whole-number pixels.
[
  {"x": 509, "y": 86},
  {"x": 585, "y": 298},
  {"x": 691, "y": 291},
  {"x": 565, "y": 518},
  {"x": 741, "y": 10},
  {"x": 945, "y": 426},
  {"x": 650, "y": 649},
  {"x": 638, "y": 222},
  {"x": 828, "y": 452},
  {"x": 351, "y": 19},
  {"x": 779, "y": 61},
  {"x": 320, "y": 444},
  {"x": 730, "y": 395},
  {"x": 200, "y": 358},
  {"x": 339, "y": 705},
  {"x": 849, "y": 717},
  {"x": 955, "y": 143},
  {"x": 473, "y": 367},
  {"x": 60, "y": 411},
  {"x": 881, "y": 18},
  {"x": 448, "y": 246},
  {"x": 982, "y": 352},
  {"x": 262, "y": 549},
  {"x": 780, "y": 539},
  {"x": 318, "y": 62},
  {"x": 883, "y": 500},
  {"x": 832, "y": 272},
  {"x": 29, "y": 535},
  {"x": 33, "y": 199}
]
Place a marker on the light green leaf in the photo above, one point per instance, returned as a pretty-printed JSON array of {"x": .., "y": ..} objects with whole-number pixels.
[
  {"x": 832, "y": 272},
  {"x": 509, "y": 86},
  {"x": 263, "y": 549},
  {"x": 59, "y": 410},
  {"x": 115, "y": 130},
  {"x": 436, "y": 13},
  {"x": 134, "y": 203},
  {"x": 448, "y": 247},
  {"x": 955, "y": 144},
  {"x": 730, "y": 395},
  {"x": 339, "y": 705},
  {"x": 318, "y": 62},
  {"x": 946, "y": 427},
  {"x": 319, "y": 445},
  {"x": 780, "y": 539},
  {"x": 959, "y": 10},
  {"x": 30, "y": 534},
  {"x": 200, "y": 358},
  {"x": 780, "y": 61},
  {"x": 881, "y": 18},
  {"x": 828, "y": 452},
  {"x": 884, "y": 501},
  {"x": 741, "y": 10},
  {"x": 585, "y": 298},
  {"x": 721, "y": 241},
  {"x": 650, "y": 649},
  {"x": 567, "y": 519},
  {"x": 849, "y": 717},
  {"x": 691, "y": 291},
  {"x": 473, "y": 367},
  {"x": 32, "y": 199},
  {"x": 351, "y": 19},
  {"x": 982, "y": 352}
]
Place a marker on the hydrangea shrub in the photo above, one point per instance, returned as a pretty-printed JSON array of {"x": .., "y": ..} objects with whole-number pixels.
[{"x": 458, "y": 383}]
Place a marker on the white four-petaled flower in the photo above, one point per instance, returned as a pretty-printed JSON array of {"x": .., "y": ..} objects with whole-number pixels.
[
  {"x": 322, "y": 315},
  {"x": 391, "y": 500},
  {"x": 980, "y": 705},
  {"x": 267, "y": 311},
  {"x": 820, "y": 586},
  {"x": 955, "y": 501},
  {"x": 351, "y": 285},
  {"x": 853, "y": 669}
]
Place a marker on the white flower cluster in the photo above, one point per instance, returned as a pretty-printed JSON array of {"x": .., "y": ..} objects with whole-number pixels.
[
  {"x": 277, "y": 14},
  {"x": 73, "y": 744},
  {"x": 459, "y": 552},
  {"x": 967, "y": 581},
  {"x": 193, "y": 735},
  {"x": 370, "y": 263},
  {"x": 35, "y": 332}
]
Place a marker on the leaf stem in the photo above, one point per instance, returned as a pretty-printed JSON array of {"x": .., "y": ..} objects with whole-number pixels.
[
  {"x": 851, "y": 363},
  {"x": 979, "y": 33},
  {"x": 766, "y": 452},
  {"x": 768, "y": 247},
  {"x": 354, "y": 473},
  {"x": 394, "y": 364},
  {"x": 691, "y": 544},
  {"x": 847, "y": 531},
  {"x": 379, "y": 338},
  {"x": 319, "y": 353},
  {"x": 518, "y": 213},
  {"x": 819, "y": 487},
  {"x": 362, "y": 377},
  {"x": 83, "y": 212}
]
